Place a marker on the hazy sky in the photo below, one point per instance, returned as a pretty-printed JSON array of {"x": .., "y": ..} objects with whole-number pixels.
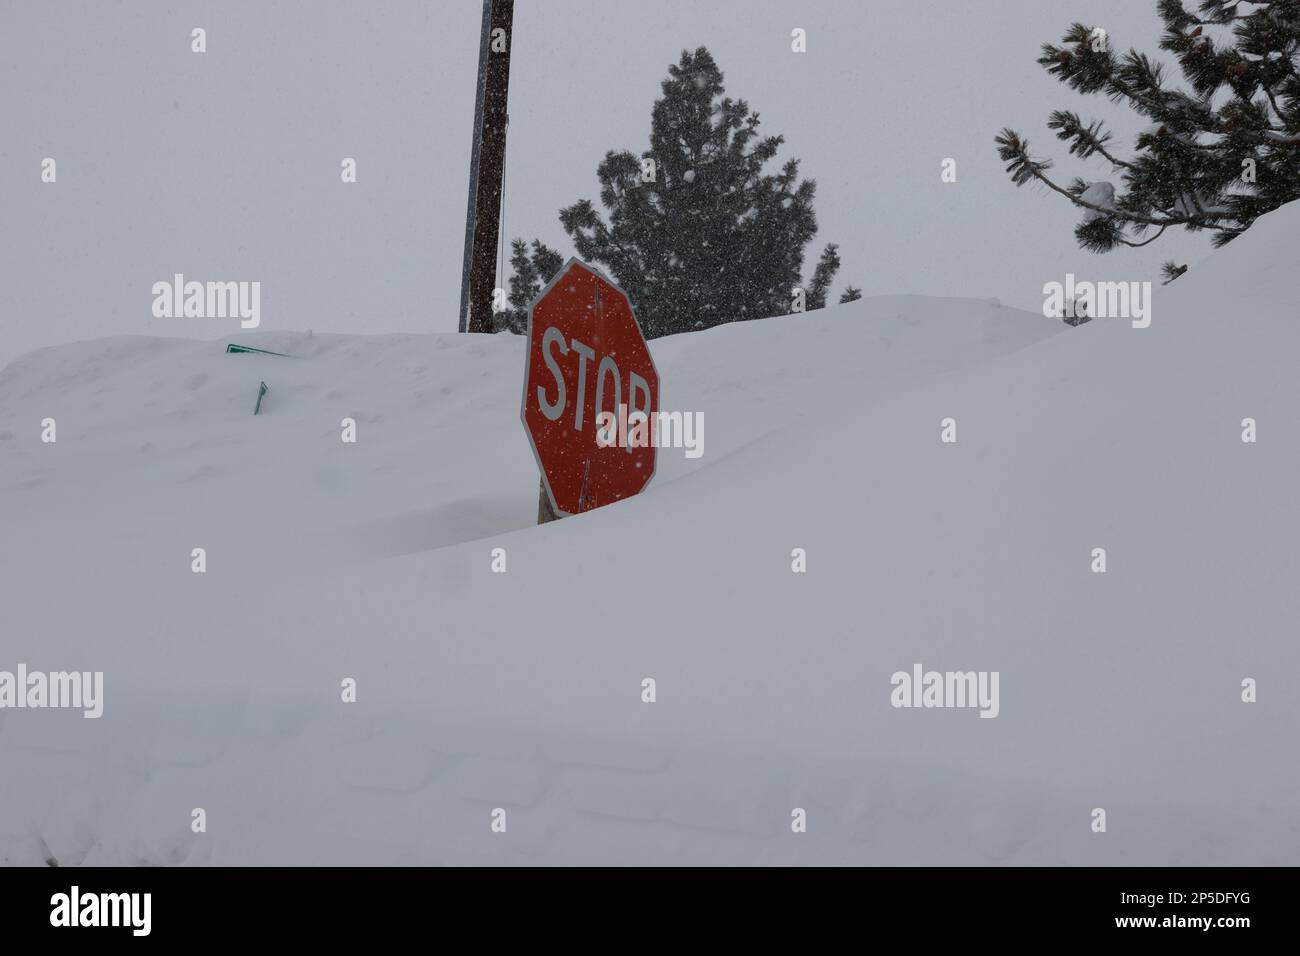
[{"x": 225, "y": 165}]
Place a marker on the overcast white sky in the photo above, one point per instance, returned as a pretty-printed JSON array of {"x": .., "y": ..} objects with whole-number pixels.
[{"x": 226, "y": 165}]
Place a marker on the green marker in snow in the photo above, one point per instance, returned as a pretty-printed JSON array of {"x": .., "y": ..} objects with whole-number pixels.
[
  {"x": 232, "y": 347},
  {"x": 260, "y": 392}
]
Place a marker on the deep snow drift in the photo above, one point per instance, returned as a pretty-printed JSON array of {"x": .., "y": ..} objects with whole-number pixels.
[{"x": 522, "y": 690}]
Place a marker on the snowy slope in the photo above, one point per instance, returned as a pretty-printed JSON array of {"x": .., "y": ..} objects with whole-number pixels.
[{"x": 522, "y": 690}]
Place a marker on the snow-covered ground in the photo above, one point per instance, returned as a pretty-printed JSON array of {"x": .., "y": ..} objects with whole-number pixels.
[{"x": 478, "y": 690}]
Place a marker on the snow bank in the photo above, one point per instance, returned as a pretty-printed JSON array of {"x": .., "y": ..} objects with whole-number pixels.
[{"x": 522, "y": 690}]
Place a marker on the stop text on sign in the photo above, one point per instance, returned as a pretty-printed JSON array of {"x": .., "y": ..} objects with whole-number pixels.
[
  {"x": 607, "y": 373},
  {"x": 633, "y": 425}
]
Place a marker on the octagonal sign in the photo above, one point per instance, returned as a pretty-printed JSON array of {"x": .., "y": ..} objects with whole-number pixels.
[{"x": 586, "y": 356}]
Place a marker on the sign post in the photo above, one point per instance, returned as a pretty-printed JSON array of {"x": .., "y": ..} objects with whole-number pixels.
[{"x": 591, "y": 394}]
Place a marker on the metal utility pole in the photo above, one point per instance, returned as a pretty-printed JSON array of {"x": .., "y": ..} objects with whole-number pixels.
[{"x": 487, "y": 167}]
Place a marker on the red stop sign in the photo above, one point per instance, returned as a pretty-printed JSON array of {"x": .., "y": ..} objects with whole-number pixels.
[{"x": 586, "y": 355}]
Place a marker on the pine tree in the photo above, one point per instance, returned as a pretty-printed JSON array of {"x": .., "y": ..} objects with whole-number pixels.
[
  {"x": 1215, "y": 157},
  {"x": 531, "y": 273},
  {"x": 698, "y": 232},
  {"x": 851, "y": 294},
  {"x": 823, "y": 276}
]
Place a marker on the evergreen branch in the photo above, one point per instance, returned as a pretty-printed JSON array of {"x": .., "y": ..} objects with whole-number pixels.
[
  {"x": 1016, "y": 151},
  {"x": 1139, "y": 245}
]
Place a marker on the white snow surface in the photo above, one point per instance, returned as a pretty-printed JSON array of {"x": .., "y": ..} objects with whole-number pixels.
[
  {"x": 522, "y": 690},
  {"x": 1099, "y": 194}
]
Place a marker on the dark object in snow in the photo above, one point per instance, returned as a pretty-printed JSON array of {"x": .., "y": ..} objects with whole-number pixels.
[
  {"x": 1075, "y": 312},
  {"x": 261, "y": 392},
  {"x": 232, "y": 348}
]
